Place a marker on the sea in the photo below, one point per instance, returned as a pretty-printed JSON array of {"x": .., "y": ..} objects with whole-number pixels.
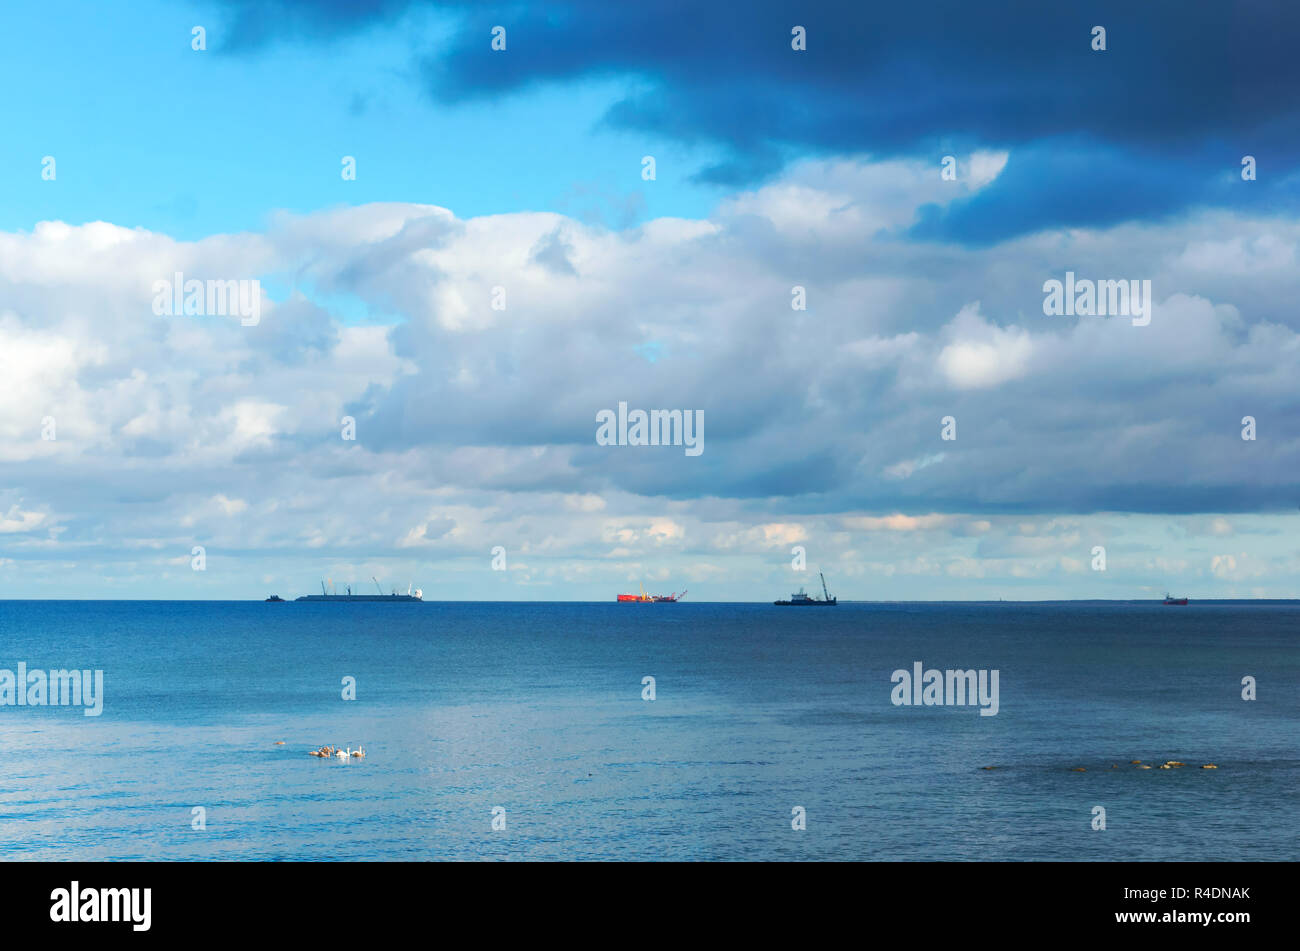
[{"x": 654, "y": 732}]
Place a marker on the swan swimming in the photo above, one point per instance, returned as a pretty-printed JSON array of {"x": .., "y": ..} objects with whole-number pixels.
[{"x": 332, "y": 752}]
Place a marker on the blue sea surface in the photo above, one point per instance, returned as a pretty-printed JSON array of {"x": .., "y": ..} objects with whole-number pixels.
[{"x": 537, "y": 709}]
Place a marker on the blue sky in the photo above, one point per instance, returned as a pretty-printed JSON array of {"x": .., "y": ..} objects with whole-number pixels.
[
  {"x": 521, "y": 171},
  {"x": 148, "y": 133}
]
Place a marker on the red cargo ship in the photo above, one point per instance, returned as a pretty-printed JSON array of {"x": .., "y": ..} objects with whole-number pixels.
[{"x": 651, "y": 598}]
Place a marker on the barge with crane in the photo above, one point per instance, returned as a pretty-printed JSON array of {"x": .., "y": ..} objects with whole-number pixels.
[{"x": 800, "y": 598}]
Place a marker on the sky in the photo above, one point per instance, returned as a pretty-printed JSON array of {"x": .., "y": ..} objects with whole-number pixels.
[{"x": 840, "y": 263}]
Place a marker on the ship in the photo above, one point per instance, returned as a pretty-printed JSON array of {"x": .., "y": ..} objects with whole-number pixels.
[
  {"x": 275, "y": 598},
  {"x": 800, "y": 598},
  {"x": 332, "y": 594},
  {"x": 644, "y": 598},
  {"x": 1170, "y": 599}
]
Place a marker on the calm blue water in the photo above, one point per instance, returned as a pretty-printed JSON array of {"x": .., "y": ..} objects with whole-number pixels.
[{"x": 537, "y": 708}]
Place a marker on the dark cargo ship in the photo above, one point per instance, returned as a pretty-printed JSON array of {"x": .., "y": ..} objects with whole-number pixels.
[
  {"x": 416, "y": 595},
  {"x": 800, "y": 598}
]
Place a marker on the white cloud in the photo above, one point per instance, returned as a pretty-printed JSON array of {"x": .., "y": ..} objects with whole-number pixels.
[
  {"x": 981, "y": 354},
  {"x": 16, "y": 520}
]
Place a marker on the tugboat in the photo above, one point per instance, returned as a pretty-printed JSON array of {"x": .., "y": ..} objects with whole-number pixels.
[
  {"x": 1170, "y": 599},
  {"x": 800, "y": 598},
  {"x": 275, "y": 597}
]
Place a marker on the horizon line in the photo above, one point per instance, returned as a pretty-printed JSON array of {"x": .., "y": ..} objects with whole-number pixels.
[{"x": 1151, "y": 600}]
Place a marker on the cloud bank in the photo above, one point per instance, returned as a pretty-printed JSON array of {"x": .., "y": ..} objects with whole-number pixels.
[{"x": 475, "y": 425}]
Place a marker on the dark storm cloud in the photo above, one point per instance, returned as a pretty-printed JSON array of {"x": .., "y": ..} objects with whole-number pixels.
[
  {"x": 1182, "y": 91},
  {"x": 1064, "y": 185}
]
